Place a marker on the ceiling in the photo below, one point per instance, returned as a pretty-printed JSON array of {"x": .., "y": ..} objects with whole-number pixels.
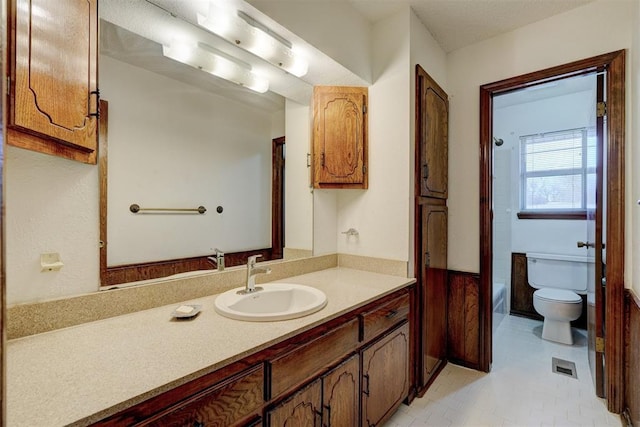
[{"x": 458, "y": 23}]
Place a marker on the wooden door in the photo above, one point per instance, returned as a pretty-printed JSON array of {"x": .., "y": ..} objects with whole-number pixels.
[
  {"x": 432, "y": 123},
  {"x": 434, "y": 285},
  {"x": 300, "y": 410},
  {"x": 54, "y": 96},
  {"x": 595, "y": 279},
  {"x": 385, "y": 376},
  {"x": 341, "y": 395},
  {"x": 340, "y": 137}
]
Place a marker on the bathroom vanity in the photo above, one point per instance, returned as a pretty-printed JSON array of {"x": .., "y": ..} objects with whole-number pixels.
[{"x": 348, "y": 364}]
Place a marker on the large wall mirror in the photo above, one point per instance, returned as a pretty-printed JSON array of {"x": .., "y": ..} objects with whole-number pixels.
[
  {"x": 176, "y": 137},
  {"x": 173, "y": 137}
]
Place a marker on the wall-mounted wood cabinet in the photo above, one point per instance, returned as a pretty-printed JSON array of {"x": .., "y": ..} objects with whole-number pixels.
[
  {"x": 52, "y": 75},
  {"x": 340, "y": 137},
  {"x": 350, "y": 371}
]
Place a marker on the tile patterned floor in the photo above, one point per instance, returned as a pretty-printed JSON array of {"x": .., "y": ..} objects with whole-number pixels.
[{"x": 521, "y": 390}]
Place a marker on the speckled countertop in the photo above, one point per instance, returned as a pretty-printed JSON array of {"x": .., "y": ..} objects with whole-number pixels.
[{"x": 81, "y": 374}]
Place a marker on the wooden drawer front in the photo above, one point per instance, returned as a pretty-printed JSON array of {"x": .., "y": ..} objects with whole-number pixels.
[
  {"x": 382, "y": 318},
  {"x": 309, "y": 359},
  {"x": 222, "y": 405}
]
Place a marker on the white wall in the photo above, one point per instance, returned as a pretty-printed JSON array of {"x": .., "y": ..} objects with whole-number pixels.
[
  {"x": 537, "y": 46},
  {"x": 381, "y": 213},
  {"x": 51, "y": 205},
  {"x": 172, "y": 145}
]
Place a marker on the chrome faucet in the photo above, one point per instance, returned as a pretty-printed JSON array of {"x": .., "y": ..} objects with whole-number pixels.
[
  {"x": 252, "y": 271},
  {"x": 218, "y": 260}
]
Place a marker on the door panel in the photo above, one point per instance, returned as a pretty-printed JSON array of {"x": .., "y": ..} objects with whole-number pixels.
[
  {"x": 433, "y": 116},
  {"x": 595, "y": 289}
]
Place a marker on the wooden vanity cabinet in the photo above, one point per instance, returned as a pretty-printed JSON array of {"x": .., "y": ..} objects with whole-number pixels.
[
  {"x": 332, "y": 400},
  {"x": 340, "y": 137},
  {"x": 349, "y": 371},
  {"x": 52, "y": 103}
]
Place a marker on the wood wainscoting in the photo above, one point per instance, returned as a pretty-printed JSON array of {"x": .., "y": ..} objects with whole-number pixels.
[
  {"x": 462, "y": 322},
  {"x": 632, "y": 358}
]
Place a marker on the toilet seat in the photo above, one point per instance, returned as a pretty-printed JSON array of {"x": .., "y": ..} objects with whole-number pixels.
[{"x": 558, "y": 295}]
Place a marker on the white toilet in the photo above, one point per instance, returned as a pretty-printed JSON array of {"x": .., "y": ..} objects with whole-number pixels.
[{"x": 559, "y": 279}]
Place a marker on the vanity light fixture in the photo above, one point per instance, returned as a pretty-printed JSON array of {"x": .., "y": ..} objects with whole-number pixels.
[
  {"x": 214, "y": 62},
  {"x": 255, "y": 37}
]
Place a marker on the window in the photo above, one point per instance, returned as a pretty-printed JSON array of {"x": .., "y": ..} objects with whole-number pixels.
[{"x": 558, "y": 173}]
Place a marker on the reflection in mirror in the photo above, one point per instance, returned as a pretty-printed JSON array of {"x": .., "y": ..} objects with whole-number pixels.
[{"x": 176, "y": 137}]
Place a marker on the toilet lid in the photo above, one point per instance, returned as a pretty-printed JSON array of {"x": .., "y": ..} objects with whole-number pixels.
[{"x": 557, "y": 295}]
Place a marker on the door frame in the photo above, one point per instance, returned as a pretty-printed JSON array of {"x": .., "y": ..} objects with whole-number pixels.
[
  {"x": 614, "y": 63},
  {"x": 277, "y": 196}
]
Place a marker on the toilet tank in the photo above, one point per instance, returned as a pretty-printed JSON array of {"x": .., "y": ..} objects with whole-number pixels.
[{"x": 558, "y": 271}]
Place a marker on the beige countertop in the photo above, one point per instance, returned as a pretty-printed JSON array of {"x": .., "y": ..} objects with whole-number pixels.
[{"x": 84, "y": 373}]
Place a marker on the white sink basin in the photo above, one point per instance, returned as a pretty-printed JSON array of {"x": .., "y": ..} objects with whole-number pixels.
[{"x": 276, "y": 301}]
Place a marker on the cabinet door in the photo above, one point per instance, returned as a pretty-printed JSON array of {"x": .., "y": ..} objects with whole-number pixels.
[
  {"x": 303, "y": 409},
  {"x": 341, "y": 391},
  {"x": 340, "y": 137},
  {"x": 434, "y": 288},
  {"x": 53, "y": 91},
  {"x": 432, "y": 133},
  {"x": 434, "y": 235},
  {"x": 385, "y": 376}
]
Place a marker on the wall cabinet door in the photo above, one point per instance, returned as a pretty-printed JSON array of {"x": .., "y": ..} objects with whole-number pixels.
[
  {"x": 385, "y": 376},
  {"x": 53, "y": 98},
  {"x": 340, "y": 137},
  {"x": 432, "y": 106},
  {"x": 341, "y": 395},
  {"x": 303, "y": 409}
]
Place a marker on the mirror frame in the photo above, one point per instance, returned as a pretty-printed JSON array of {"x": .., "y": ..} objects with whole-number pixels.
[{"x": 117, "y": 275}]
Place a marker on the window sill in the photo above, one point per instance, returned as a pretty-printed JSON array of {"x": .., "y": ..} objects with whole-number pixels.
[{"x": 577, "y": 214}]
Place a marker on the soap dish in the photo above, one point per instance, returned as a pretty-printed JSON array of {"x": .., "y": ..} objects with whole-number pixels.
[{"x": 178, "y": 314}]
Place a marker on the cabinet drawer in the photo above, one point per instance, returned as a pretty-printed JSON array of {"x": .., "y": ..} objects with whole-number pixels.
[
  {"x": 221, "y": 405},
  {"x": 380, "y": 319},
  {"x": 309, "y": 359}
]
